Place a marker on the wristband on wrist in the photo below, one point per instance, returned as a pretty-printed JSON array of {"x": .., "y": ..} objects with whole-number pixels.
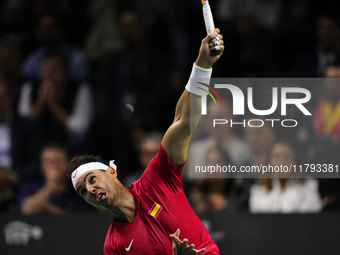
[{"x": 198, "y": 75}]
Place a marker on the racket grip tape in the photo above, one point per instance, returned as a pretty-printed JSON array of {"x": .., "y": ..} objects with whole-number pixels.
[{"x": 208, "y": 18}]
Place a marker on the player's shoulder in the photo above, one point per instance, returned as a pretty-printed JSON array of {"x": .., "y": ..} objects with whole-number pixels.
[
  {"x": 159, "y": 160},
  {"x": 160, "y": 174}
]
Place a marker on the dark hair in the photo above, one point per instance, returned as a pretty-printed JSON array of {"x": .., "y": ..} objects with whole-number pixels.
[
  {"x": 80, "y": 160},
  {"x": 55, "y": 146}
]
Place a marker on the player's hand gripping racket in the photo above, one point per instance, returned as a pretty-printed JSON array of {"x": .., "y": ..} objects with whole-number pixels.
[{"x": 209, "y": 25}]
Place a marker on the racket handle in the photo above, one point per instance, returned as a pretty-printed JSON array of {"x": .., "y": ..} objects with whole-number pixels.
[{"x": 208, "y": 18}]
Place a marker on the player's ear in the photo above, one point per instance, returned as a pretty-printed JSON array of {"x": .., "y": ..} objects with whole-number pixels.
[{"x": 112, "y": 171}]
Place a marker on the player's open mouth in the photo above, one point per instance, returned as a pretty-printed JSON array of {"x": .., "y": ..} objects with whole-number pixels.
[{"x": 101, "y": 196}]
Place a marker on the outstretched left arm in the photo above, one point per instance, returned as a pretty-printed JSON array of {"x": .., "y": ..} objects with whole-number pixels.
[{"x": 177, "y": 138}]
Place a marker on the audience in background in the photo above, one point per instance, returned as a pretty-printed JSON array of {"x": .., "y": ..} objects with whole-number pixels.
[
  {"x": 221, "y": 189},
  {"x": 259, "y": 140},
  {"x": 139, "y": 54},
  {"x": 132, "y": 93},
  {"x": 325, "y": 123},
  {"x": 326, "y": 118},
  {"x": 284, "y": 193},
  {"x": 221, "y": 146},
  {"x": 221, "y": 136},
  {"x": 7, "y": 178},
  {"x": 104, "y": 36},
  {"x": 20, "y": 139},
  {"x": 148, "y": 148},
  {"x": 19, "y": 149},
  {"x": 171, "y": 23},
  {"x": 320, "y": 134},
  {"x": 139, "y": 73},
  {"x": 266, "y": 13},
  {"x": 54, "y": 194},
  {"x": 63, "y": 108},
  {"x": 50, "y": 36},
  {"x": 314, "y": 63}
]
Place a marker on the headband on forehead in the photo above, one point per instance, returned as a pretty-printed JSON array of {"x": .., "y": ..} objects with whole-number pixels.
[{"x": 89, "y": 167}]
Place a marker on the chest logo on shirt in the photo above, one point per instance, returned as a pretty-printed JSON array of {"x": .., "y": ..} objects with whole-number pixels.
[
  {"x": 155, "y": 210},
  {"x": 127, "y": 249}
]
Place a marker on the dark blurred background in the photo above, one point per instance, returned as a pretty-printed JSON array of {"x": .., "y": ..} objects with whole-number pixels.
[{"x": 103, "y": 77}]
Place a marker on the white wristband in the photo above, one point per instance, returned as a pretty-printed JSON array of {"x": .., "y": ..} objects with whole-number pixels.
[{"x": 198, "y": 74}]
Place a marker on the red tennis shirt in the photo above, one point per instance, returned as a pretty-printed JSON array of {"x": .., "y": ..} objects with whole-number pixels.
[{"x": 161, "y": 208}]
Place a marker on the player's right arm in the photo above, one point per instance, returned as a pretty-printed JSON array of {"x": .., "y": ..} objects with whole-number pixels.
[{"x": 188, "y": 112}]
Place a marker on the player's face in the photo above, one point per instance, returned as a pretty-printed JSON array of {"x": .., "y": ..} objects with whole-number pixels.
[{"x": 98, "y": 188}]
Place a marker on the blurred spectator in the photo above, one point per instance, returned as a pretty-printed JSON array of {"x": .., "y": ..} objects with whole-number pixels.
[
  {"x": 320, "y": 135},
  {"x": 250, "y": 26},
  {"x": 50, "y": 36},
  {"x": 197, "y": 197},
  {"x": 217, "y": 200},
  {"x": 260, "y": 140},
  {"x": 53, "y": 195},
  {"x": 19, "y": 148},
  {"x": 220, "y": 190},
  {"x": 138, "y": 75},
  {"x": 220, "y": 147},
  {"x": 284, "y": 193},
  {"x": 178, "y": 31},
  {"x": 131, "y": 90},
  {"x": 314, "y": 63},
  {"x": 104, "y": 37},
  {"x": 325, "y": 120},
  {"x": 221, "y": 136},
  {"x": 63, "y": 108},
  {"x": 148, "y": 148},
  {"x": 141, "y": 67}
]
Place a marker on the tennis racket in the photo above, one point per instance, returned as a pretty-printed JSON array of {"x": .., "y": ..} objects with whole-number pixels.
[
  {"x": 209, "y": 24},
  {"x": 208, "y": 18}
]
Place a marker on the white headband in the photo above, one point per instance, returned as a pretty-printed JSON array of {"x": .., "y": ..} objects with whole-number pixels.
[{"x": 89, "y": 167}]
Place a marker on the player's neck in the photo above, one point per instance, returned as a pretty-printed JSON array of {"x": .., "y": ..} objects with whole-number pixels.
[{"x": 125, "y": 210}]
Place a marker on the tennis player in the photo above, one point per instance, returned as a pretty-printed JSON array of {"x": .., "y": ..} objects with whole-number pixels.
[{"x": 155, "y": 206}]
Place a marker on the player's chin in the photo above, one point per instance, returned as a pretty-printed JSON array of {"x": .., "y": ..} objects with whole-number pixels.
[
  {"x": 102, "y": 207},
  {"x": 99, "y": 205}
]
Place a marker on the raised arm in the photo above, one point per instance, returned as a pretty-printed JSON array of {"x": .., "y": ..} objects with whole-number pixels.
[{"x": 177, "y": 138}]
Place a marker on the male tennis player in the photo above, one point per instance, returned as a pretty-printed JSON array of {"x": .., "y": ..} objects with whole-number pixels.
[{"x": 155, "y": 206}]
